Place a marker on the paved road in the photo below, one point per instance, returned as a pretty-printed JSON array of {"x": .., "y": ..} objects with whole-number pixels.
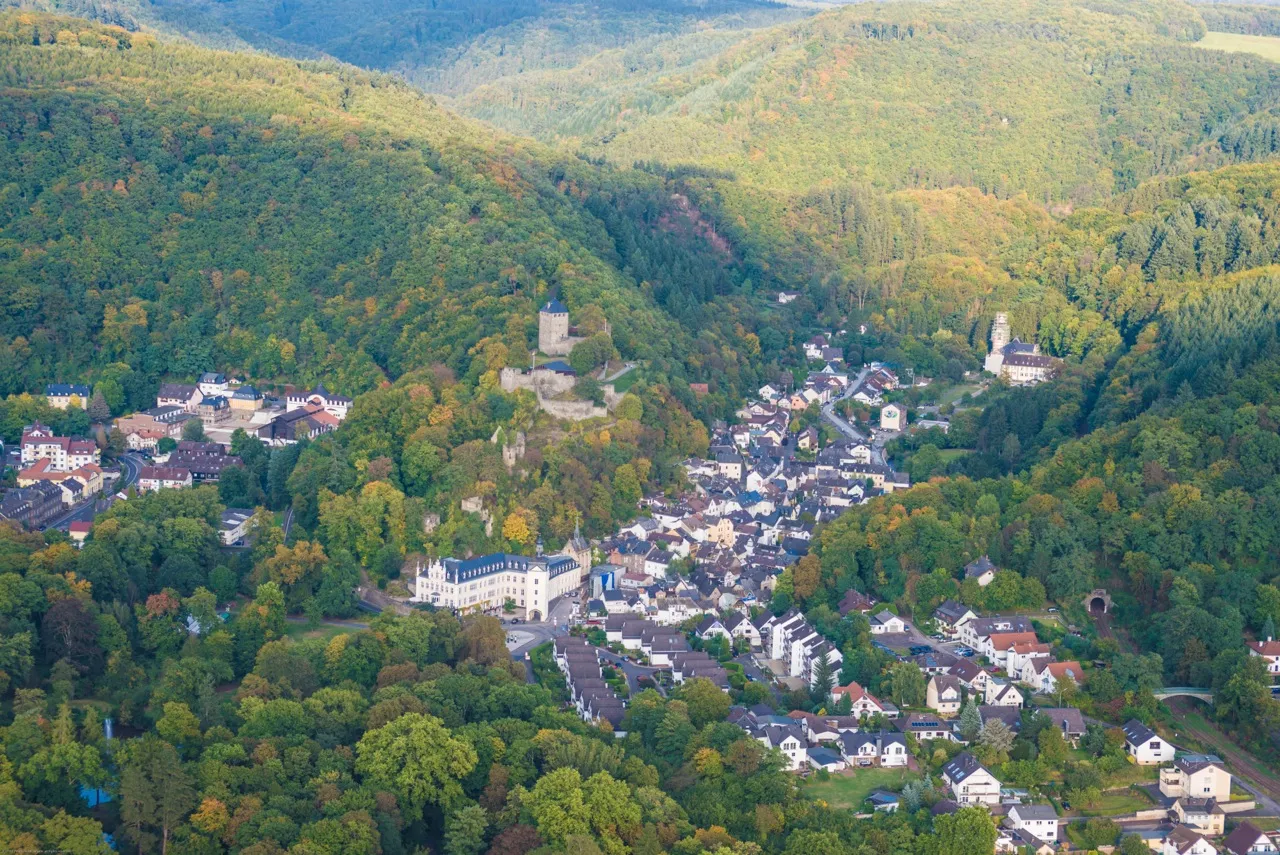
[
  {"x": 829, "y": 413},
  {"x": 130, "y": 466}
]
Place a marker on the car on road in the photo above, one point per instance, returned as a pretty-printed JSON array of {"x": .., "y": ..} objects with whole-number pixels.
[{"x": 918, "y": 649}]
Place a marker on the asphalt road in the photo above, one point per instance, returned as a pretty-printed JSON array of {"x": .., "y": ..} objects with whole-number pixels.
[
  {"x": 829, "y": 413},
  {"x": 130, "y": 466}
]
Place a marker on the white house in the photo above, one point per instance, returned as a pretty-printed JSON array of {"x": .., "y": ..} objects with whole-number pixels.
[
  {"x": 943, "y": 694},
  {"x": 1196, "y": 775},
  {"x": 1002, "y": 695},
  {"x": 884, "y": 748},
  {"x": 1040, "y": 821},
  {"x": 1269, "y": 650},
  {"x": 887, "y": 623},
  {"x": 891, "y": 417},
  {"x": 982, "y": 570},
  {"x": 1144, "y": 745},
  {"x": 1184, "y": 841},
  {"x": 1248, "y": 840},
  {"x": 789, "y": 739},
  {"x": 970, "y": 782},
  {"x": 861, "y": 701}
]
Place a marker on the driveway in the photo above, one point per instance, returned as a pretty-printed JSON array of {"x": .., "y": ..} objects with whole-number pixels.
[{"x": 633, "y": 671}]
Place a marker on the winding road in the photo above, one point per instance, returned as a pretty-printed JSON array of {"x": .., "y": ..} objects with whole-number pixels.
[
  {"x": 130, "y": 467},
  {"x": 829, "y": 413}
]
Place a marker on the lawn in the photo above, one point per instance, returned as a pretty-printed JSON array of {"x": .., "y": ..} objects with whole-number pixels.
[
  {"x": 949, "y": 454},
  {"x": 1117, "y": 803},
  {"x": 955, "y": 393},
  {"x": 850, "y": 789},
  {"x": 1267, "y": 47},
  {"x": 299, "y": 631}
]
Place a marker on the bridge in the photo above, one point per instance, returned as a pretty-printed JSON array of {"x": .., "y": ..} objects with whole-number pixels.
[{"x": 1205, "y": 695}]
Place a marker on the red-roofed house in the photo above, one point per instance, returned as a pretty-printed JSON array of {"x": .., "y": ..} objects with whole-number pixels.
[
  {"x": 79, "y": 530},
  {"x": 1269, "y": 650},
  {"x": 63, "y": 453},
  {"x": 863, "y": 702}
]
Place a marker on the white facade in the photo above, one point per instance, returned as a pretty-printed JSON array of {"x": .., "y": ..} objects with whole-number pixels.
[
  {"x": 891, "y": 417},
  {"x": 486, "y": 583}
]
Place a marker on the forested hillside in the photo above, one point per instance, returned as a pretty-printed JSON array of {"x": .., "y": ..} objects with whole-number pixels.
[{"x": 173, "y": 209}]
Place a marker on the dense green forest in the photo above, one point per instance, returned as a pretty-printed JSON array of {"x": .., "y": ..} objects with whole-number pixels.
[{"x": 166, "y": 209}]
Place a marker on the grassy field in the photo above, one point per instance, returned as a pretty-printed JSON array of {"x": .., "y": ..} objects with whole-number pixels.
[
  {"x": 1117, "y": 803},
  {"x": 1267, "y": 47},
  {"x": 851, "y": 789},
  {"x": 949, "y": 454},
  {"x": 299, "y": 631},
  {"x": 955, "y": 393}
]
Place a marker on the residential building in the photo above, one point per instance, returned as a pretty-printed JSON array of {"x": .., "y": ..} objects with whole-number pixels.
[
  {"x": 861, "y": 701},
  {"x": 788, "y": 739},
  {"x": 79, "y": 530},
  {"x": 951, "y": 616},
  {"x": 1144, "y": 745},
  {"x": 212, "y": 384},
  {"x": 335, "y": 405},
  {"x": 145, "y": 429},
  {"x": 32, "y": 507},
  {"x": 925, "y": 726},
  {"x": 486, "y": 582},
  {"x": 296, "y": 425},
  {"x": 213, "y": 409},
  {"x": 63, "y": 453},
  {"x": 1198, "y": 776},
  {"x": 163, "y": 478},
  {"x": 247, "y": 399},
  {"x": 1040, "y": 821},
  {"x": 970, "y": 782},
  {"x": 879, "y": 748},
  {"x": 205, "y": 460},
  {"x": 892, "y": 417},
  {"x": 1247, "y": 839},
  {"x": 1069, "y": 720},
  {"x": 982, "y": 570},
  {"x": 185, "y": 396},
  {"x": 63, "y": 395},
  {"x": 999, "y": 694},
  {"x": 1045, "y": 676},
  {"x": 944, "y": 694},
  {"x": 1269, "y": 650},
  {"x": 1204, "y": 815},
  {"x": 887, "y": 623},
  {"x": 235, "y": 525},
  {"x": 76, "y": 484},
  {"x": 1184, "y": 841}
]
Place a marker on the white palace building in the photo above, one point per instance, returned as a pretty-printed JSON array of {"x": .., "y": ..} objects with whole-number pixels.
[{"x": 486, "y": 582}]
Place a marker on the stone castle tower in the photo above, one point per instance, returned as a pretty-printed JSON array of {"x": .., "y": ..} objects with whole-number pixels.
[
  {"x": 999, "y": 341},
  {"x": 1000, "y": 332},
  {"x": 553, "y": 329}
]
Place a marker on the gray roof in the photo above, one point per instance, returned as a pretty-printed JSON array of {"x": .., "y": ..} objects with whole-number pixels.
[
  {"x": 1034, "y": 811},
  {"x": 1137, "y": 733},
  {"x": 974, "y": 569}
]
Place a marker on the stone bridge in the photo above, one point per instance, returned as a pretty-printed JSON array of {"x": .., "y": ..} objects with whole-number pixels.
[{"x": 1205, "y": 695}]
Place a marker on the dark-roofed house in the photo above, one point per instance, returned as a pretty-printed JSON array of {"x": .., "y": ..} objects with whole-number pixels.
[
  {"x": 32, "y": 506},
  {"x": 62, "y": 395},
  {"x": 944, "y": 694},
  {"x": 1040, "y": 821},
  {"x": 950, "y": 616},
  {"x": 1144, "y": 745},
  {"x": 1068, "y": 720},
  {"x": 982, "y": 570},
  {"x": 970, "y": 782},
  {"x": 1184, "y": 841},
  {"x": 856, "y": 601},
  {"x": 184, "y": 395},
  {"x": 1248, "y": 840},
  {"x": 711, "y": 627}
]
